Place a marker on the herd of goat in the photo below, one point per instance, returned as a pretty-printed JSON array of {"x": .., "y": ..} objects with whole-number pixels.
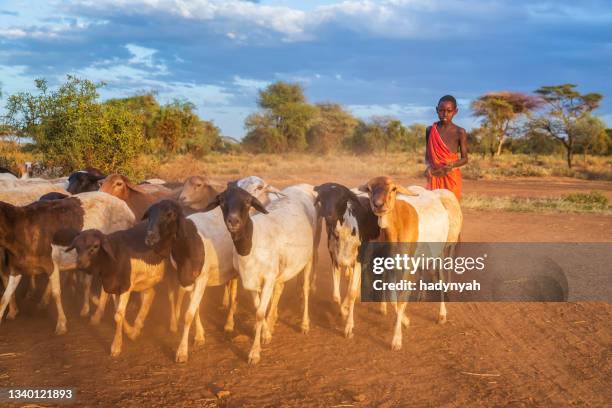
[{"x": 191, "y": 236}]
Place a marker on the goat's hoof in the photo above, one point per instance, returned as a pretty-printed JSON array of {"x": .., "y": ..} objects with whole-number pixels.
[
  {"x": 305, "y": 328},
  {"x": 383, "y": 310},
  {"x": 12, "y": 314},
  {"x": 60, "y": 329},
  {"x": 228, "y": 328},
  {"x": 199, "y": 342},
  {"x": 254, "y": 358},
  {"x": 441, "y": 319},
  {"x": 84, "y": 312},
  {"x": 396, "y": 345},
  {"x": 173, "y": 328},
  {"x": 266, "y": 337},
  {"x": 95, "y": 320},
  {"x": 181, "y": 357},
  {"x": 115, "y": 351},
  {"x": 348, "y": 333},
  {"x": 405, "y": 321}
]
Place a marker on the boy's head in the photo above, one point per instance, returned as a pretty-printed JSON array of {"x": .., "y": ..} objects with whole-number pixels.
[{"x": 447, "y": 108}]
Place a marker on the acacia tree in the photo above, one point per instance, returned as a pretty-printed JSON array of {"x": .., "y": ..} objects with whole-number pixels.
[
  {"x": 500, "y": 110},
  {"x": 566, "y": 107},
  {"x": 330, "y": 128},
  {"x": 284, "y": 119}
]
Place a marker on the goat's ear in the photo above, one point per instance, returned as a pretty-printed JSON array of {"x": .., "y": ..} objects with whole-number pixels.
[
  {"x": 214, "y": 203},
  {"x": 106, "y": 246},
  {"x": 274, "y": 190},
  {"x": 405, "y": 191},
  {"x": 317, "y": 188},
  {"x": 136, "y": 188},
  {"x": 146, "y": 215},
  {"x": 353, "y": 198},
  {"x": 363, "y": 188},
  {"x": 256, "y": 204},
  {"x": 71, "y": 247}
]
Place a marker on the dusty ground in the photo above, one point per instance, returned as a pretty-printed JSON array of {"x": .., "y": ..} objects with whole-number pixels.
[{"x": 510, "y": 354}]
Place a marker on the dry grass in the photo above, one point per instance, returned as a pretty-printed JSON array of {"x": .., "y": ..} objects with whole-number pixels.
[
  {"x": 593, "y": 202},
  {"x": 291, "y": 166}
]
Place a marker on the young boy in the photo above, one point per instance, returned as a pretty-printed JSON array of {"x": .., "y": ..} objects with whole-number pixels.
[{"x": 443, "y": 141}]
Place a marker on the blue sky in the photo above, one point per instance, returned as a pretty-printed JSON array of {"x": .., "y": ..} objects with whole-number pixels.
[{"x": 393, "y": 57}]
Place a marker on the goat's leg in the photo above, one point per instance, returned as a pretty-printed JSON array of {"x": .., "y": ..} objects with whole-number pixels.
[
  {"x": 199, "y": 338},
  {"x": 226, "y": 295},
  {"x": 260, "y": 320},
  {"x": 396, "y": 343},
  {"x": 233, "y": 303},
  {"x": 268, "y": 328},
  {"x": 9, "y": 291},
  {"x": 344, "y": 307},
  {"x": 12, "y": 303},
  {"x": 56, "y": 292},
  {"x": 145, "y": 305},
  {"x": 353, "y": 292},
  {"x": 119, "y": 318},
  {"x": 179, "y": 301},
  {"x": 442, "y": 312},
  {"x": 192, "y": 310},
  {"x": 336, "y": 280},
  {"x": 31, "y": 288},
  {"x": 306, "y": 289},
  {"x": 173, "y": 317},
  {"x": 46, "y": 297},
  {"x": 99, "y": 313},
  {"x": 87, "y": 278}
]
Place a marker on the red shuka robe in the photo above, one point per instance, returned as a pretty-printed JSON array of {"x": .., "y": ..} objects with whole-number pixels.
[{"x": 440, "y": 155}]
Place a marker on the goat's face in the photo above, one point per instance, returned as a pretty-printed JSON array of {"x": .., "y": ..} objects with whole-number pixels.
[
  {"x": 163, "y": 220},
  {"x": 345, "y": 239},
  {"x": 331, "y": 202},
  {"x": 258, "y": 188},
  {"x": 235, "y": 204},
  {"x": 116, "y": 185},
  {"x": 120, "y": 186},
  {"x": 382, "y": 192},
  {"x": 88, "y": 245},
  {"x": 81, "y": 182},
  {"x": 195, "y": 191}
]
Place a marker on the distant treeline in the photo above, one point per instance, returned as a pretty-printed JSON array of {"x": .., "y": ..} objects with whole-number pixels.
[{"x": 71, "y": 128}]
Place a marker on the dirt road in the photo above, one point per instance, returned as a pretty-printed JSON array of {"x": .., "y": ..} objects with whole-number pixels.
[{"x": 530, "y": 354}]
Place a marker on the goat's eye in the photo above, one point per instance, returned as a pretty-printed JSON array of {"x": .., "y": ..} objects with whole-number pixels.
[
  {"x": 353, "y": 232},
  {"x": 258, "y": 188},
  {"x": 198, "y": 185},
  {"x": 119, "y": 184}
]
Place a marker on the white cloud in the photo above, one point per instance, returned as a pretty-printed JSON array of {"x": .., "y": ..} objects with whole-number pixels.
[
  {"x": 387, "y": 18},
  {"x": 141, "y": 55},
  {"x": 251, "y": 84}
]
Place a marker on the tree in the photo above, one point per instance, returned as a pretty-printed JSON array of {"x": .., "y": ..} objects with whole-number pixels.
[
  {"x": 73, "y": 130},
  {"x": 590, "y": 134},
  {"x": 284, "y": 120},
  {"x": 414, "y": 137},
  {"x": 330, "y": 128},
  {"x": 566, "y": 106},
  {"x": 500, "y": 110}
]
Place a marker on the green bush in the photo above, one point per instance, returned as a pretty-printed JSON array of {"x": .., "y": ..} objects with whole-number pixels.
[{"x": 72, "y": 130}]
